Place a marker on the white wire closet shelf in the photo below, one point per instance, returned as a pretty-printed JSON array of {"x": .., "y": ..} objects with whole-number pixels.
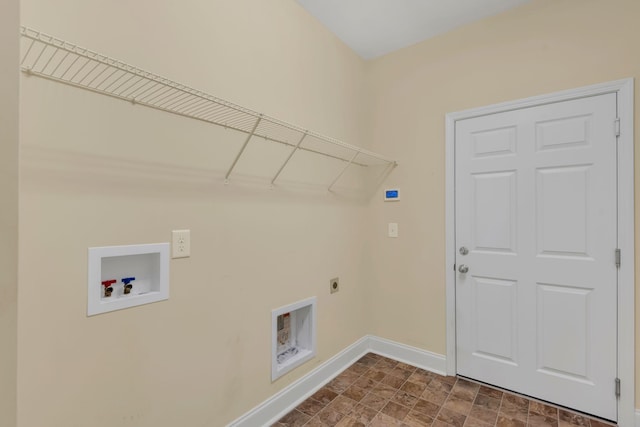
[{"x": 54, "y": 59}]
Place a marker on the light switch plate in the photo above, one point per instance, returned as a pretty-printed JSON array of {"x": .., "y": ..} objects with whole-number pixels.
[
  {"x": 181, "y": 244},
  {"x": 393, "y": 229}
]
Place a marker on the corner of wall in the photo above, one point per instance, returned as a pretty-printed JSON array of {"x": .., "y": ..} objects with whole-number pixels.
[{"x": 9, "y": 105}]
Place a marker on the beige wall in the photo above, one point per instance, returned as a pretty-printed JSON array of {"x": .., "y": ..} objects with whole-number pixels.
[
  {"x": 97, "y": 171},
  {"x": 9, "y": 101},
  {"x": 545, "y": 46}
]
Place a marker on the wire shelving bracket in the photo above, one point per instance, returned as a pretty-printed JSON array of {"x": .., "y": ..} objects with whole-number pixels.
[{"x": 55, "y": 59}]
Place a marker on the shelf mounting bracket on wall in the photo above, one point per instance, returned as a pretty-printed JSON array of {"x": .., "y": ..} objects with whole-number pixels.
[
  {"x": 343, "y": 170},
  {"x": 288, "y": 158},
  {"x": 246, "y": 142},
  {"x": 63, "y": 62}
]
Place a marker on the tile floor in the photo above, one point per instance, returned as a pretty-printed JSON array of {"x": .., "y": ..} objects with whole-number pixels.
[{"x": 377, "y": 391}]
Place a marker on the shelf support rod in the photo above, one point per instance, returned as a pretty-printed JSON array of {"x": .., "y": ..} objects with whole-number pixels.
[
  {"x": 343, "y": 170},
  {"x": 246, "y": 141},
  {"x": 288, "y": 158}
]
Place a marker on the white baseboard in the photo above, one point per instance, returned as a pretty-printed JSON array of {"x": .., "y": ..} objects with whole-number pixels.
[
  {"x": 637, "y": 421},
  {"x": 413, "y": 356},
  {"x": 278, "y": 405}
]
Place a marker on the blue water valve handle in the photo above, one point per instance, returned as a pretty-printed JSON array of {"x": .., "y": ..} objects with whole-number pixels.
[{"x": 127, "y": 284}]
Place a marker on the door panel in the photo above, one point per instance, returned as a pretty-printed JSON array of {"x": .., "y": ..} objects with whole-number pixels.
[
  {"x": 563, "y": 224},
  {"x": 563, "y": 132},
  {"x": 494, "y": 213},
  {"x": 536, "y": 206},
  {"x": 563, "y": 341},
  {"x": 495, "y": 322},
  {"x": 494, "y": 142}
]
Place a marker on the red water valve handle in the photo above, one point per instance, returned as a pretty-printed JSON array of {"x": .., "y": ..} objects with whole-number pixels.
[{"x": 108, "y": 283}]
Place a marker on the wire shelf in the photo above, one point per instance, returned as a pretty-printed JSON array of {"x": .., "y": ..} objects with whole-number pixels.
[{"x": 54, "y": 59}]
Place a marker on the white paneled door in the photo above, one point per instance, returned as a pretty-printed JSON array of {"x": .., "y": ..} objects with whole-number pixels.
[{"x": 536, "y": 275}]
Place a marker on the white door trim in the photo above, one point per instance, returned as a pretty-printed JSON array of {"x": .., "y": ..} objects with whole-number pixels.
[{"x": 626, "y": 235}]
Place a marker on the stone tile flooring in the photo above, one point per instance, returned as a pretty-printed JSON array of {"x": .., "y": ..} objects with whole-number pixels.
[{"x": 377, "y": 391}]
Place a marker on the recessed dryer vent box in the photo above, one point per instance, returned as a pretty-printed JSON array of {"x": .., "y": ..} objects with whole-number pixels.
[
  {"x": 127, "y": 276},
  {"x": 293, "y": 336}
]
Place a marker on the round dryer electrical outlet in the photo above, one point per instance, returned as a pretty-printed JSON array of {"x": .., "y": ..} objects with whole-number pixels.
[{"x": 334, "y": 285}]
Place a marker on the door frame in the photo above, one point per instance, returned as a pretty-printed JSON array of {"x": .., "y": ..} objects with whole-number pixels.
[{"x": 626, "y": 235}]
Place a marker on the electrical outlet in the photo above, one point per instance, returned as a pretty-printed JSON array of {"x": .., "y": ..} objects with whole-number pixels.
[
  {"x": 181, "y": 244},
  {"x": 334, "y": 285}
]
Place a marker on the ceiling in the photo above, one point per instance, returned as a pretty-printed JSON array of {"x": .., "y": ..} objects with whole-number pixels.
[{"x": 374, "y": 28}]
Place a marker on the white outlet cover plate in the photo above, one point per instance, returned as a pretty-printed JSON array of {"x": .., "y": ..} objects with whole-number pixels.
[{"x": 181, "y": 244}]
